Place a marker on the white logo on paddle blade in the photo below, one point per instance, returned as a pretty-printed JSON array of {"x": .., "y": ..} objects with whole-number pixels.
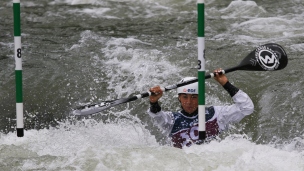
[{"x": 267, "y": 58}]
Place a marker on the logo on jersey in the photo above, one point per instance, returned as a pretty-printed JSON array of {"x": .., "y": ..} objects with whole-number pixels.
[
  {"x": 190, "y": 90},
  {"x": 267, "y": 58}
]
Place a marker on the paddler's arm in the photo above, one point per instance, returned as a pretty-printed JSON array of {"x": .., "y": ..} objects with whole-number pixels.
[
  {"x": 164, "y": 120},
  {"x": 234, "y": 113}
]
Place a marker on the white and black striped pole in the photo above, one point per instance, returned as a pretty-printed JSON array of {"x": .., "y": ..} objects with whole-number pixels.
[
  {"x": 201, "y": 68},
  {"x": 18, "y": 68}
]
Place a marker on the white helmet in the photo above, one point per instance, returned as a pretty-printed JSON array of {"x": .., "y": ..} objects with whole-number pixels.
[{"x": 190, "y": 88}]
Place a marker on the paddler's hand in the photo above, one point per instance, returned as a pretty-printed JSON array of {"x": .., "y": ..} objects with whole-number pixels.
[
  {"x": 157, "y": 93},
  {"x": 219, "y": 77}
]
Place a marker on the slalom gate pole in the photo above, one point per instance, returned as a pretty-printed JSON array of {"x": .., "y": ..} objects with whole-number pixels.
[
  {"x": 201, "y": 68},
  {"x": 18, "y": 68}
]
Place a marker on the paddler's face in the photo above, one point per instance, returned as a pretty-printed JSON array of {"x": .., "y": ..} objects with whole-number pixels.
[{"x": 189, "y": 102}]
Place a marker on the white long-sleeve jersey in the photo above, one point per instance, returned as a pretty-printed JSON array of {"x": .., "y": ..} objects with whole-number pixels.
[{"x": 183, "y": 130}]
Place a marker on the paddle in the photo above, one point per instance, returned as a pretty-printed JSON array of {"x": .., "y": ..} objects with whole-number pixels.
[{"x": 268, "y": 57}]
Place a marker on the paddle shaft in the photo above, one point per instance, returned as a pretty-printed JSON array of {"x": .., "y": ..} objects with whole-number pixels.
[
  {"x": 167, "y": 88},
  {"x": 174, "y": 86},
  {"x": 223, "y": 71}
]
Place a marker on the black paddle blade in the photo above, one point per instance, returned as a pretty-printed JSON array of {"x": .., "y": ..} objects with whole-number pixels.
[{"x": 267, "y": 57}]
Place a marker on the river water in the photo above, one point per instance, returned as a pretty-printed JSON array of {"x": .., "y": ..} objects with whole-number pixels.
[{"x": 81, "y": 51}]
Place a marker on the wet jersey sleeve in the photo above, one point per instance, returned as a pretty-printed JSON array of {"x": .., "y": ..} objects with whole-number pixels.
[
  {"x": 242, "y": 107},
  {"x": 164, "y": 120}
]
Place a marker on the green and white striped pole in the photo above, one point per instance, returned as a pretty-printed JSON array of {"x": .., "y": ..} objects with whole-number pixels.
[
  {"x": 18, "y": 69},
  {"x": 201, "y": 68}
]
